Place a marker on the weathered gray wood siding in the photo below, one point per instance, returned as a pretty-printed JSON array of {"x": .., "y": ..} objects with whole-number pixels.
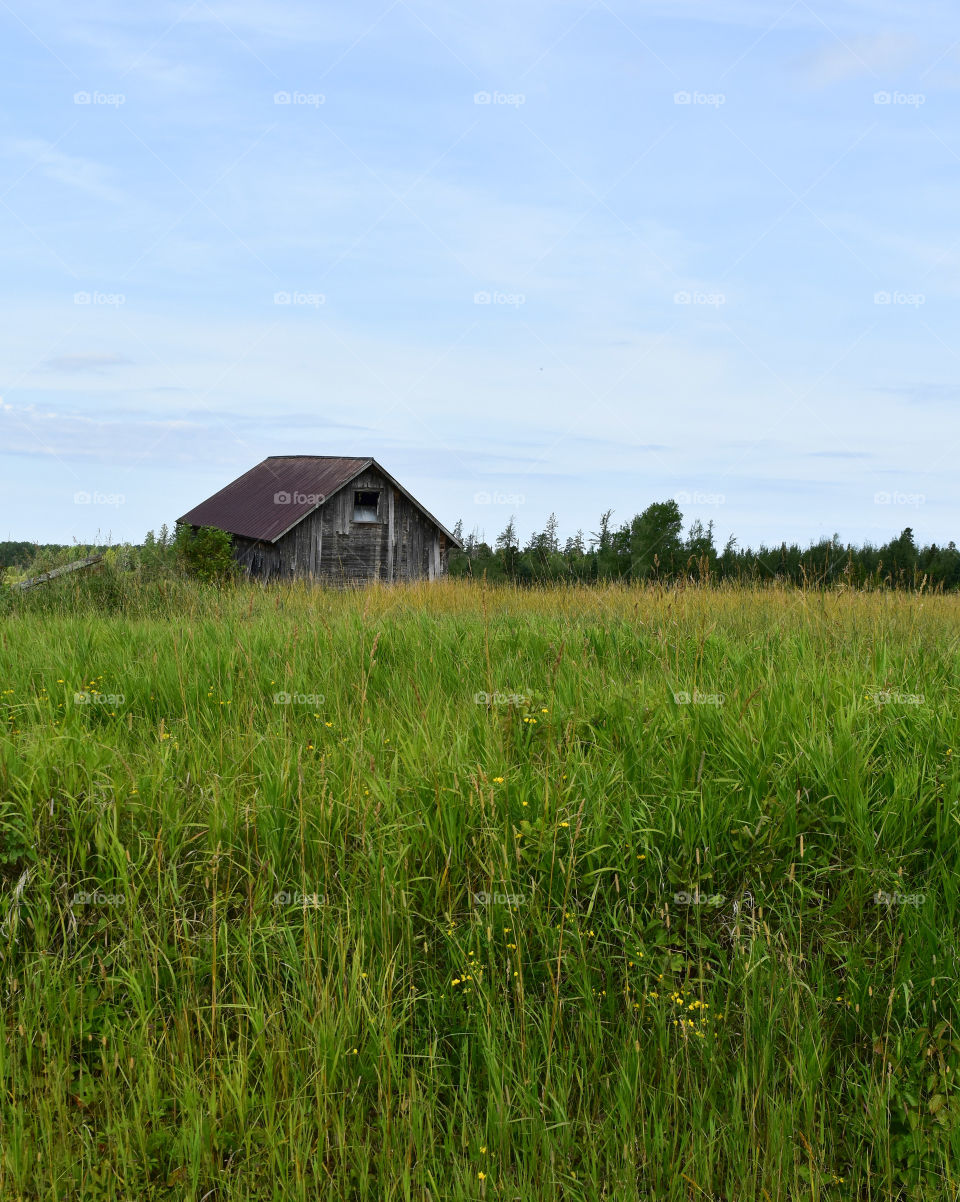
[
  {"x": 414, "y": 550},
  {"x": 300, "y": 548},
  {"x": 257, "y": 559},
  {"x": 402, "y": 544},
  {"x": 355, "y": 552}
]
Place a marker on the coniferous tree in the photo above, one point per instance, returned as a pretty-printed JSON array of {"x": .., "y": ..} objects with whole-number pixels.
[{"x": 507, "y": 547}]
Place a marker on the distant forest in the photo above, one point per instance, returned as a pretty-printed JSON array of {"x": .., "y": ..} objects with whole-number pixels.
[
  {"x": 652, "y": 546},
  {"x": 22, "y": 554}
]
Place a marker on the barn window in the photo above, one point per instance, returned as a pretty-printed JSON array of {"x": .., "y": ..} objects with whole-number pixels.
[{"x": 365, "y": 505}]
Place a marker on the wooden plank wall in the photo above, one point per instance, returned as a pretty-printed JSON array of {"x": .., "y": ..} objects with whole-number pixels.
[
  {"x": 355, "y": 552},
  {"x": 261, "y": 560}
]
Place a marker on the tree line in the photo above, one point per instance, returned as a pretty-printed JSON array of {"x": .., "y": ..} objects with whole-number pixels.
[{"x": 653, "y": 546}]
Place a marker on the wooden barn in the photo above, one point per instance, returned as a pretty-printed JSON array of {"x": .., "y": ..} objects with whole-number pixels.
[{"x": 338, "y": 518}]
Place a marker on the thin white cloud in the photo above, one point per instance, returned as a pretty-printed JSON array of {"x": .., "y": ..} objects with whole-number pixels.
[
  {"x": 87, "y": 361},
  {"x": 85, "y": 175},
  {"x": 880, "y": 56}
]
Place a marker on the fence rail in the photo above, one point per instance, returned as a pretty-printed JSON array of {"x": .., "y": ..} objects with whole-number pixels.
[{"x": 23, "y": 585}]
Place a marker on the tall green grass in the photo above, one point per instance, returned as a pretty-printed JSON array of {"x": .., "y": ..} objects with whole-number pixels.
[{"x": 489, "y": 908}]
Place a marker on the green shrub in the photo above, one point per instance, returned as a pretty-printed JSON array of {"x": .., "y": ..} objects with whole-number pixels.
[{"x": 205, "y": 553}]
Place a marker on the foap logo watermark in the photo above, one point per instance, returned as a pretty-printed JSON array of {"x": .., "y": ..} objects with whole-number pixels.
[
  {"x": 700, "y": 498},
  {"x": 501, "y": 699},
  {"x": 914, "y": 499},
  {"x": 515, "y": 299},
  {"x": 306, "y": 901},
  {"x": 898, "y": 899},
  {"x": 110, "y": 99},
  {"x": 713, "y": 299},
  {"x": 893, "y": 697},
  {"x": 99, "y": 298},
  {"x": 698, "y": 899},
  {"x": 904, "y": 99},
  {"x": 98, "y": 698},
  {"x": 311, "y": 299},
  {"x": 912, "y": 299},
  {"x": 498, "y": 899},
  {"x": 303, "y": 99},
  {"x": 498, "y": 498},
  {"x": 708, "y": 99},
  {"x": 298, "y": 498},
  {"x": 98, "y": 498},
  {"x": 314, "y": 699},
  {"x": 698, "y": 698},
  {"x": 511, "y": 99},
  {"x": 96, "y": 899}
]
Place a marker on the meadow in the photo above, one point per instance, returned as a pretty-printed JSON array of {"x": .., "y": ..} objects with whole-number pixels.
[{"x": 462, "y": 892}]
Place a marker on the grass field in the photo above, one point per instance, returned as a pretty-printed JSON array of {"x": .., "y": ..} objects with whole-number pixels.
[{"x": 616, "y": 893}]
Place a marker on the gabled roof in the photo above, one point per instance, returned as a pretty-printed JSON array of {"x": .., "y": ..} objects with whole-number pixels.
[{"x": 273, "y": 497}]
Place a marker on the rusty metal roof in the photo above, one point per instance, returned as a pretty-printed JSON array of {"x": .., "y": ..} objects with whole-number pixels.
[{"x": 271, "y": 498}]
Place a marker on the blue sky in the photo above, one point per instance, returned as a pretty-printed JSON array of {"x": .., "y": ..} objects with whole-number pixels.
[{"x": 531, "y": 256}]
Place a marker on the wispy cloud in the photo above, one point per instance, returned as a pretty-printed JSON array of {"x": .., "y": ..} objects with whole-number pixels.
[
  {"x": 87, "y": 361},
  {"x": 881, "y": 55},
  {"x": 922, "y": 393},
  {"x": 83, "y": 174}
]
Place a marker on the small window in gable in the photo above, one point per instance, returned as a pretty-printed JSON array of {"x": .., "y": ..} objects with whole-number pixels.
[{"x": 365, "y": 505}]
